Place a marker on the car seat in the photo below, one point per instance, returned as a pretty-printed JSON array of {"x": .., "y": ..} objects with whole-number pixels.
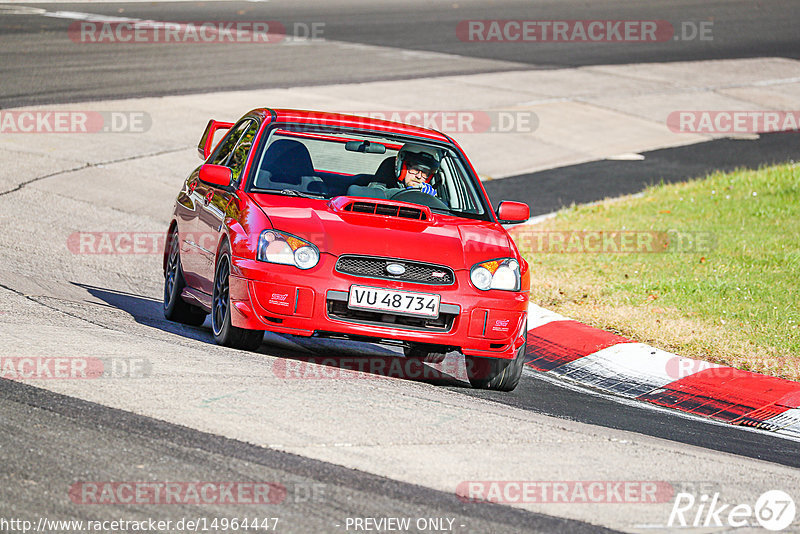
[{"x": 288, "y": 163}]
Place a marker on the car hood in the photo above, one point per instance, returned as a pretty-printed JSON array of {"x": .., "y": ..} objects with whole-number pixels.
[{"x": 443, "y": 239}]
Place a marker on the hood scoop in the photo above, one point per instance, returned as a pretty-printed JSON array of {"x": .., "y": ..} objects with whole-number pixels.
[{"x": 385, "y": 208}]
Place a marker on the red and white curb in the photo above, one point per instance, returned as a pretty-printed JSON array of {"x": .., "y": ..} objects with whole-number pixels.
[{"x": 561, "y": 346}]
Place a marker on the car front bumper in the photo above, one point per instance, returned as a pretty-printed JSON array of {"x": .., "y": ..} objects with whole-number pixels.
[{"x": 282, "y": 298}]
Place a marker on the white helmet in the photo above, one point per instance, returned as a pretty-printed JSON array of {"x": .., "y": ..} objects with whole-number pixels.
[{"x": 418, "y": 156}]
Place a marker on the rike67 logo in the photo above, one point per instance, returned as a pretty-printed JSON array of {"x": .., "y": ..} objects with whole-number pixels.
[{"x": 774, "y": 510}]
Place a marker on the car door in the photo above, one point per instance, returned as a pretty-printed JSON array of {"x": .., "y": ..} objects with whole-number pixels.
[
  {"x": 192, "y": 240},
  {"x": 187, "y": 208},
  {"x": 216, "y": 202}
]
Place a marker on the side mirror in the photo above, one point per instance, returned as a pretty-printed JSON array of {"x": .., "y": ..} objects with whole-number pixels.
[
  {"x": 513, "y": 212},
  {"x": 216, "y": 175},
  {"x": 206, "y": 141}
]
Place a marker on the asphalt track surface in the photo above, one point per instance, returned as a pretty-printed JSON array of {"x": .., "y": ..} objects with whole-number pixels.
[
  {"x": 537, "y": 394},
  {"x": 83, "y": 438},
  {"x": 39, "y": 64},
  {"x": 49, "y": 438},
  {"x": 590, "y": 182}
]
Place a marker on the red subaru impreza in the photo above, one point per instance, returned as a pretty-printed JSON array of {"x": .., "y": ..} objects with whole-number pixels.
[{"x": 318, "y": 224}]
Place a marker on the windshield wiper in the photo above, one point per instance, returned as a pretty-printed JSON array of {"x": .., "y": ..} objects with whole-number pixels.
[
  {"x": 296, "y": 193},
  {"x": 288, "y": 192}
]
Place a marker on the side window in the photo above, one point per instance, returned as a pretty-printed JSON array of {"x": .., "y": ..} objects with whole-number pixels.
[
  {"x": 223, "y": 151},
  {"x": 239, "y": 155},
  {"x": 462, "y": 193}
]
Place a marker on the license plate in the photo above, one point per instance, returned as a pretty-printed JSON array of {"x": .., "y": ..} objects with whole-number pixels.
[{"x": 393, "y": 301}]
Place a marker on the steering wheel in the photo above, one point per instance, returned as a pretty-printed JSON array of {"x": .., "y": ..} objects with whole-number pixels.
[{"x": 415, "y": 196}]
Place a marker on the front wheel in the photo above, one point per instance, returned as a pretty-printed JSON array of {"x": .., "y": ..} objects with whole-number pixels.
[
  {"x": 494, "y": 373},
  {"x": 224, "y": 332}
]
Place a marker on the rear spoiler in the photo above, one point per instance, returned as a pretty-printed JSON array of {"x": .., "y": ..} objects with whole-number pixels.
[{"x": 204, "y": 146}]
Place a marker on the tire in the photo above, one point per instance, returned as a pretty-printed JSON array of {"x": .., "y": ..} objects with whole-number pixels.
[
  {"x": 494, "y": 373},
  {"x": 224, "y": 332},
  {"x": 422, "y": 354},
  {"x": 175, "y": 308}
]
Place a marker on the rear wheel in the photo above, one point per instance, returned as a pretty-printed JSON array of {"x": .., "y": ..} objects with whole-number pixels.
[
  {"x": 224, "y": 332},
  {"x": 494, "y": 373},
  {"x": 175, "y": 308}
]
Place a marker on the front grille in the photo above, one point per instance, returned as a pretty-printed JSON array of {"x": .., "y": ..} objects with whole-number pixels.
[
  {"x": 417, "y": 272},
  {"x": 338, "y": 310}
]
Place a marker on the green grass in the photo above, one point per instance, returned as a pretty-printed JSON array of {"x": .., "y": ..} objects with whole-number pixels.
[{"x": 733, "y": 301}]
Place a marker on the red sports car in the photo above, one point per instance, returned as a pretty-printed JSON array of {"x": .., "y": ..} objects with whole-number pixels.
[{"x": 318, "y": 224}]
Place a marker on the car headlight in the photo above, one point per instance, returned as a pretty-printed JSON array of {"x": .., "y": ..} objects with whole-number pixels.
[
  {"x": 279, "y": 247},
  {"x": 496, "y": 274}
]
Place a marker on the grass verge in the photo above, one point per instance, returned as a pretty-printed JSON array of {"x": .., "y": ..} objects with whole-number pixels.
[{"x": 708, "y": 269}]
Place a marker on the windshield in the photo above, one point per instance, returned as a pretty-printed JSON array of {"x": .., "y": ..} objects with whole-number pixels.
[{"x": 326, "y": 163}]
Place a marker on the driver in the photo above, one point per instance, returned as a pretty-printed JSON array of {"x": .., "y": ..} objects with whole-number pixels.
[{"x": 416, "y": 165}]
